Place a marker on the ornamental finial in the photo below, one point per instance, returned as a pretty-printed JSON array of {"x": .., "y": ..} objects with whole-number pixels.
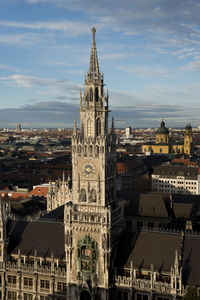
[{"x": 93, "y": 32}]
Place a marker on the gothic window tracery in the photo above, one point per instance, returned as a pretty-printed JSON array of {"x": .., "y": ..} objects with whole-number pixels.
[
  {"x": 97, "y": 149},
  {"x": 93, "y": 196},
  {"x": 98, "y": 126},
  {"x": 83, "y": 195},
  {"x": 104, "y": 241},
  {"x": 96, "y": 94},
  {"x": 91, "y": 95},
  {"x": 79, "y": 149},
  {"x": 89, "y": 127}
]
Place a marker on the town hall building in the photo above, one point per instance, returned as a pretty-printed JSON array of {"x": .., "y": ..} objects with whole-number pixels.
[{"x": 90, "y": 244}]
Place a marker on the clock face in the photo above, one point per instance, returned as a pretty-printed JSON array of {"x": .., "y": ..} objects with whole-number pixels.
[{"x": 88, "y": 169}]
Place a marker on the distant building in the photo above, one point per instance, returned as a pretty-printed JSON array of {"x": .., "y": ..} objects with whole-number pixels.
[
  {"x": 61, "y": 129},
  {"x": 18, "y": 127},
  {"x": 176, "y": 180},
  {"x": 128, "y": 132},
  {"x": 163, "y": 145}
]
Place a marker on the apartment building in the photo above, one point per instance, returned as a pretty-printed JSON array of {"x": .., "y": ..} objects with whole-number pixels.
[{"x": 176, "y": 179}]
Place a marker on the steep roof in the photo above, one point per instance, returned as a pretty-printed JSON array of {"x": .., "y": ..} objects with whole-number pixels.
[
  {"x": 174, "y": 170},
  {"x": 152, "y": 205},
  {"x": 39, "y": 191},
  {"x": 45, "y": 237},
  {"x": 183, "y": 210},
  {"x": 56, "y": 214},
  {"x": 157, "y": 248},
  {"x": 191, "y": 261}
]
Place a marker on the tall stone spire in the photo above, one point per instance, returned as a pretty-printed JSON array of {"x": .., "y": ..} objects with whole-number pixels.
[{"x": 94, "y": 65}]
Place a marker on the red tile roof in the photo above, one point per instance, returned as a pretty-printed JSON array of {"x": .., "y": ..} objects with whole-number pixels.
[{"x": 39, "y": 191}]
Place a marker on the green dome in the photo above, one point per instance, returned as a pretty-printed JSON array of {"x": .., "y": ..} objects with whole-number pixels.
[{"x": 162, "y": 129}]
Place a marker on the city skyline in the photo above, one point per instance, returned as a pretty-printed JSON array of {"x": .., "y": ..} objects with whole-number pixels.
[{"x": 149, "y": 52}]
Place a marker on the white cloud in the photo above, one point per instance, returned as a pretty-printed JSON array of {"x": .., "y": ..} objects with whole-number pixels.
[
  {"x": 113, "y": 56},
  {"x": 36, "y": 1},
  {"x": 45, "y": 86},
  {"x": 147, "y": 71},
  {"x": 61, "y": 114},
  {"x": 4, "y": 67},
  {"x": 69, "y": 27},
  {"x": 19, "y": 39},
  {"x": 193, "y": 66},
  {"x": 50, "y": 84}
]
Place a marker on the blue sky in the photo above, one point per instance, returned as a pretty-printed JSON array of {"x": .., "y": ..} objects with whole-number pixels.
[{"x": 148, "y": 51}]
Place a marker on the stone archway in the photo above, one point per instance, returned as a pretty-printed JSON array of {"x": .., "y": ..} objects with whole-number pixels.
[{"x": 85, "y": 295}]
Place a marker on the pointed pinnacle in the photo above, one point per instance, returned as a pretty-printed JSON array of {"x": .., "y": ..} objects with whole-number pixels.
[
  {"x": 112, "y": 126},
  {"x": 176, "y": 258},
  {"x": 74, "y": 123},
  {"x": 68, "y": 177},
  {"x": 93, "y": 32},
  {"x": 94, "y": 66},
  {"x": 63, "y": 176}
]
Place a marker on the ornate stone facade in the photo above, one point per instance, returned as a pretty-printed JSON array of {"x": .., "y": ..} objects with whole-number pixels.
[
  {"x": 59, "y": 193},
  {"x": 72, "y": 253},
  {"x": 88, "y": 216}
]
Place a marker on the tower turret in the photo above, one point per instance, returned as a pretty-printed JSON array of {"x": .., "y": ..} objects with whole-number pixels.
[
  {"x": 94, "y": 104},
  {"x": 88, "y": 215},
  {"x": 162, "y": 134},
  {"x": 188, "y": 140}
]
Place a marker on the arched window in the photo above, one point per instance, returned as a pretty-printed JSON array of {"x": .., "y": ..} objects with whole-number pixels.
[
  {"x": 91, "y": 149},
  {"x": 96, "y": 94},
  {"x": 91, "y": 95},
  {"x": 89, "y": 127},
  {"x": 67, "y": 237},
  {"x": 83, "y": 195},
  {"x": 104, "y": 241},
  {"x": 98, "y": 126},
  {"x": 79, "y": 149},
  {"x": 97, "y": 150},
  {"x": 93, "y": 196},
  {"x": 85, "y": 149}
]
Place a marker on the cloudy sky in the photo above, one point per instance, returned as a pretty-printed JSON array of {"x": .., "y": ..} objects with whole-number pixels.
[{"x": 149, "y": 52}]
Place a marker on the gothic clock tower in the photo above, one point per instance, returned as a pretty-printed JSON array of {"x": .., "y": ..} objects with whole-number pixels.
[{"x": 88, "y": 215}]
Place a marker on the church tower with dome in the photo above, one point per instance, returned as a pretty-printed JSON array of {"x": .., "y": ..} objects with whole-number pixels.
[
  {"x": 162, "y": 134},
  {"x": 188, "y": 139},
  {"x": 164, "y": 145}
]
